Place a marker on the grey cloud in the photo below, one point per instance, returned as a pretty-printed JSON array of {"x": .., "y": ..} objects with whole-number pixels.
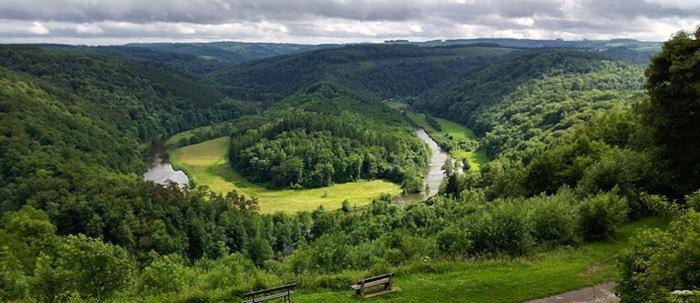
[{"x": 342, "y": 20}]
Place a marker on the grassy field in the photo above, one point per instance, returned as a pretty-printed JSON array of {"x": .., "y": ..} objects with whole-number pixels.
[
  {"x": 207, "y": 164},
  {"x": 514, "y": 280},
  {"x": 175, "y": 139},
  {"x": 456, "y": 130}
]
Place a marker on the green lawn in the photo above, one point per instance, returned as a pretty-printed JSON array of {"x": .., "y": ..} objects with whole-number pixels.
[
  {"x": 456, "y": 130},
  {"x": 207, "y": 164},
  {"x": 512, "y": 280}
]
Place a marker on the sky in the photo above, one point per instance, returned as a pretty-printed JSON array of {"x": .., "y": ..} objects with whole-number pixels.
[{"x": 96, "y": 22}]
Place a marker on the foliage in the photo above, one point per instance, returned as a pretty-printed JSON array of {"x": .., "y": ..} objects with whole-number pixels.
[
  {"x": 317, "y": 145},
  {"x": 659, "y": 262},
  {"x": 601, "y": 215},
  {"x": 672, "y": 83}
]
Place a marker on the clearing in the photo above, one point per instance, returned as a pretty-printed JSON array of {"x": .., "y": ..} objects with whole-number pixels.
[{"x": 207, "y": 164}]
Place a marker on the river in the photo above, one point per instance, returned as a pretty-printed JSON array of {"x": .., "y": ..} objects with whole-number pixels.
[
  {"x": 434, "y": 174},
  {"x": 160, "y": 170}
]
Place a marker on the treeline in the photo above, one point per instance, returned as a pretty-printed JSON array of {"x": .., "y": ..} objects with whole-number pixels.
[{"x": 327, "y": 135}]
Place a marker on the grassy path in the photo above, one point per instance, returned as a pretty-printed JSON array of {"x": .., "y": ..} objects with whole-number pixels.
[
  {"x": 514, "y": 280},
  {"x": 455, "y": 130},
  {"x": 207, "y": 164}
]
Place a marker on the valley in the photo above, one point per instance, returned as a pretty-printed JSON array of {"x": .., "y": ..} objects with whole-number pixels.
[{"x": 320, "y": 165}]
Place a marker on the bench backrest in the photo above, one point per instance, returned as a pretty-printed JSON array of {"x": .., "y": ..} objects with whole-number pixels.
[
  {"x": 375, "y": 278},
  {"x": 270, "y": 290}
]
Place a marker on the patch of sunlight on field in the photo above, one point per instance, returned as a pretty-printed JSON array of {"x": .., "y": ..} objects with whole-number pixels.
[{"x": 207, "y": 164}]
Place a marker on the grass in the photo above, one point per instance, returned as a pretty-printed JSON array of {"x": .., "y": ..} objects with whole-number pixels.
[
  {"x": 454, "y": 129},
  {"x": 207, "y": 164},
  {"x": 175, "y": 139},
  {"x": 508, "y": 280}
]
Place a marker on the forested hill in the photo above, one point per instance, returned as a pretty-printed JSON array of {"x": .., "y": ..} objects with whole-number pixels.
[
  {"x": 383, "y": 69},
  {"x": 231, "y": 52},
  {"x": 143, "y": 100},
  {"x": 328, "y": 134},
  {"x": 516, "y": 103},
  {"x": 68, "y": 116}
]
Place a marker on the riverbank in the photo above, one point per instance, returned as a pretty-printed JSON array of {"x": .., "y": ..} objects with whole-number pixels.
[{"x": 454, "y": 130}]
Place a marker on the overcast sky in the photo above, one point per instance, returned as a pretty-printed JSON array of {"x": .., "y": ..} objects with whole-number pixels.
[{"x": 333, "y": 21}]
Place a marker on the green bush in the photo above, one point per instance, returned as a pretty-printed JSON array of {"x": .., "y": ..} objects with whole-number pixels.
[
  {"x": 601, "y": 215},
  {"x": 339, "y": 281},
  {"x": 501, "y": 229},
  {"x": 163, "y": 275},
  {"x": 657, "y": 262},
  {"x": 454, "y": 241},
  {"x": 553, "y": 219}
]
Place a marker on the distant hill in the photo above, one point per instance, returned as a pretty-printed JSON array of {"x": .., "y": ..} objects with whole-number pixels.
[
  {"x": 387, "y": 70},
  {"x": 232, "y": 52}
]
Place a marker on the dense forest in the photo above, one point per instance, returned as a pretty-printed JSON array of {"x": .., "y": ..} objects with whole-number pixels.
[
  {"x": 582, "y": 144},
  {"x": 329, "y": 134},
  {"x": 384, "y": 70}
]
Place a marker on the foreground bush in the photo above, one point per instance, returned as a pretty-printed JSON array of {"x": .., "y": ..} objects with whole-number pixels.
[
  {"x": 601, "y": 215},
  {"x": 554, "y": 220},
  {"x": 503, "y": 229},
  {"x": 659, "y": 262}
]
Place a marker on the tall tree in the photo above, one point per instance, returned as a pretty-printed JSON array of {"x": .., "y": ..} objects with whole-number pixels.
[{"x": 673, "y": 108}]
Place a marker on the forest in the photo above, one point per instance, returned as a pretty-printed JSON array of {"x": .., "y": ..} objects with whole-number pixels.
[
  {"x": 585, "y": 145},
  {"x": 329, "y": 134}
]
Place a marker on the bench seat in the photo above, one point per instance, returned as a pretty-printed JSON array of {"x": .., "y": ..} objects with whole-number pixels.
[
  {"x": 370, "y": 284},
  {"x": 270, "y": 297}
]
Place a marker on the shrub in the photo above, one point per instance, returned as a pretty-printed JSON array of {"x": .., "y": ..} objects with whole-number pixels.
[
  {"x": 339, "y": 281},
  {"x": 601, "y": 215},
  {"x": 418, "y": 216},
  {"x": 553, "y": 220},
  {"x": 501, "y": 229},
  {"x": 454, "y": 241},
  {"x": 414, "y": 247},
  {"x": 657, "y": 262},
  {"x": 163, "y": 275}
]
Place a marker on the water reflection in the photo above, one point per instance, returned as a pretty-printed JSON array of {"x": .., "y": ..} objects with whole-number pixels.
[
  {"x": 434, "y": 175},
  {"x": 160, "y": 170}
]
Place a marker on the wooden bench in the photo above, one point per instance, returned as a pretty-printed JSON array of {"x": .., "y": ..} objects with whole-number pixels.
[
  {"x": 285, "y": 291},
  {"x": 370, "y": 284}
]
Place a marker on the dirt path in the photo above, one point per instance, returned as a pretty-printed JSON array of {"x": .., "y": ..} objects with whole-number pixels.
[{"x": 600, "y": 293}]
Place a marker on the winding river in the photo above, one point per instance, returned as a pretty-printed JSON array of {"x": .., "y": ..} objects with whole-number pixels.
[
  {"x": 434, "y": 174},
  {"x": 160, "y": 170}
]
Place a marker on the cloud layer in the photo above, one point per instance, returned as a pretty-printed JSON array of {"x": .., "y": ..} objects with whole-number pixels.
[{"x": 319, "y": 21}]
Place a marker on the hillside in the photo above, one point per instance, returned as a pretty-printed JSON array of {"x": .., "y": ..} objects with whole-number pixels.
[
  {"x": 384, "y": 70},
  {"x": 519, "y": 103},
  {"x": 231, "y": 52}
]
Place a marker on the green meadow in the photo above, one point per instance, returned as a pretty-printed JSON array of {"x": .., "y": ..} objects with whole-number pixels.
[{"x": 207, "y": 164}]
